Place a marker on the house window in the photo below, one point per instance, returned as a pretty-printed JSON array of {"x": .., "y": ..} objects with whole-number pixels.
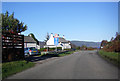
[{"x": 61, "y": 44}]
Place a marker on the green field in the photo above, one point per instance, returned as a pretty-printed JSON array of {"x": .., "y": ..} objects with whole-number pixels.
[
  {"x": 11, "y": 68},
  {"x": 110, "y": 56}
]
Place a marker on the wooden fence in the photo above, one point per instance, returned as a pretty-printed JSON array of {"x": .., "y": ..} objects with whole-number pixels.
[{"x": 12, "y": 46}]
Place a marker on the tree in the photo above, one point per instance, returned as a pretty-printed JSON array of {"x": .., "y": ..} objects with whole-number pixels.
[
  {"x": 117, "y": 34},
  {"x": 112, "y": 39},
  {"x": 104, "y": 42},
  {"x": 84, "y": 47},
  {"x": 73, "y": 46},
  {"x": 47, "y": 37},
  {"x": 78, "y": 48},
  {"x": 32, "y": 35},
  {"x": 0, "y": 27},
  {"x": 9, "y": 23}
]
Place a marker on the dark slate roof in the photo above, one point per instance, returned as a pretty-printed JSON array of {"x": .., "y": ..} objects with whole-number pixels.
[
  {"x": 29, "y": 39},
  {"x": 41, "y": 43},
  {"x": 62, "y": 40}
]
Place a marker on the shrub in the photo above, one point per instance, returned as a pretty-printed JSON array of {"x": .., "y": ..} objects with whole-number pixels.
[
  {"x": 42, "y": 49},
  {"x": 112, "y": 46}
]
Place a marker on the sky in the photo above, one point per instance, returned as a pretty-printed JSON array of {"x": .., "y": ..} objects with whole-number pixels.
[
  {"x": 83, "y": 21},
  {"x": 60, "y": 0}
]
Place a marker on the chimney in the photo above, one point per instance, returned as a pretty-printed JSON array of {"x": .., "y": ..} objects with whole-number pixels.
[{"x": 56, "y": 35}]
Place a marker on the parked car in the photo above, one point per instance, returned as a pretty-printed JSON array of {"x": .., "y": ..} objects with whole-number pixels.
[{"x": 30, "y": 51}]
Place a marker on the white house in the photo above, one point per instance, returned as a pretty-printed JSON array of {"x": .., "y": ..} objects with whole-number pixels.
[
  {"x": 61, "y": 42},
  {"x": 29, "y": 42}
]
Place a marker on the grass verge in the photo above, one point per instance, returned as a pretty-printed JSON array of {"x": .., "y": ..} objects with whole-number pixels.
[
  {"x": 11, "y": 68},
  {"x": 110, "y": 56},
  {"x": 66, "y": 53},
  {"x": 55, "y": 54}
]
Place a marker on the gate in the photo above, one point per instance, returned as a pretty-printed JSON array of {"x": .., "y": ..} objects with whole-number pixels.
[{"x": 12, "y": 46}]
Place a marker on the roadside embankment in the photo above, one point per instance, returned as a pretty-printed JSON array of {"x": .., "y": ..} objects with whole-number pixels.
[
  {"x": 112, "y": 57},
  {"x": 57, "y": 54},
  {"x": 10, "y": 68}
]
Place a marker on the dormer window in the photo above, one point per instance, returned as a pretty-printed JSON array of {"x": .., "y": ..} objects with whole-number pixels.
[{"x": 61, "y": 44}]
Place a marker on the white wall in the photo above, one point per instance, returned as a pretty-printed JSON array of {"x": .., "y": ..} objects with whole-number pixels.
[
  {"x": 51, "y": 40},
  {"x": 50, "y": 46},
  {"x": 65, "y": 46},
  {"x": 30, "y": 45}
]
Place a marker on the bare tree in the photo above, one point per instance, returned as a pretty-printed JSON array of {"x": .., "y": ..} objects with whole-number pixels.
[
  {"x": 112, "y": 39},
  {"x": 47, "y": 37},
  {"x": 117, "y": 34}
]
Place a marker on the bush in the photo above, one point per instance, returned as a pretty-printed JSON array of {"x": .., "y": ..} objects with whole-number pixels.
[
  {"x": 78, "y": 48},
  {"x": 112, "y": 46},
  {"x": 42, "y": 49},
  {"x": 53, "y": 49},
  {"x": 50, "y": 49},
  {"x": 67, "y": 49},
  {"x": 59, "y": 48}
]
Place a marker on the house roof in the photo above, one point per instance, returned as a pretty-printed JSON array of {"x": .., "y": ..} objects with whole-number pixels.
[
  {"x": 41, "y": 43},
  {"x": 29, "y": 39},
  {"x": 62, "y": 40}
]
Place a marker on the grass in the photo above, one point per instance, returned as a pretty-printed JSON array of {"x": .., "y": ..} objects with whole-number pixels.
[
  {"x": 110, "y": 56},
  {"x": 55, "y": 54},
  {"x": 66, "y": 53},
  {"x": 11, "y": 68}
]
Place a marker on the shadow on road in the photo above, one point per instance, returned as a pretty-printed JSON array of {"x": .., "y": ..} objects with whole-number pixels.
[
  {"x": 38, "y": 58},
  {"x": 45, "y": 56}
]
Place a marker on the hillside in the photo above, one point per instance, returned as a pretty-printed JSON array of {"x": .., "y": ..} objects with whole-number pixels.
[{"x": 86, "y": 43}]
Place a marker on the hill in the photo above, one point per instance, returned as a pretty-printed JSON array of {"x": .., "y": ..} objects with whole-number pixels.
[{"x": 86, "y": 43}]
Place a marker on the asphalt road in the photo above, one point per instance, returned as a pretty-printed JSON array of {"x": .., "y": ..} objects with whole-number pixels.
[{"x": 80, "y": 65}]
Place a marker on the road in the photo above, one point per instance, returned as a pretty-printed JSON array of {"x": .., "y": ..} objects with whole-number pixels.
[{"x": 80, "y": 65}]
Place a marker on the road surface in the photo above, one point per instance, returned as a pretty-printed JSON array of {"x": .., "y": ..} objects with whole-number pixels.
[{"x": 80, "y": 65}]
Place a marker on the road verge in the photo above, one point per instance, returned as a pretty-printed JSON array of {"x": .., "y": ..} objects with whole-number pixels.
[
  {"x": 10, "y": 68},
  {"x": 110, "y": 56}
]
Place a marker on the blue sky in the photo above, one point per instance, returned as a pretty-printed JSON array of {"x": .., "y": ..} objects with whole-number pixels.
[{"x": 83, "y": 21}]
